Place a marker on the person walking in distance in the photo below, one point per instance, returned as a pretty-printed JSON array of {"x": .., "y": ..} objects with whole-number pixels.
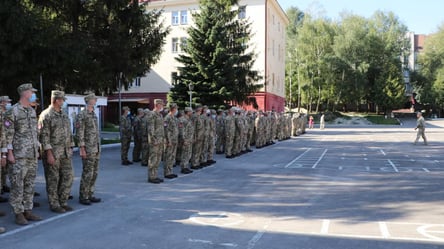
[
  {"x": 89, "y": 143},
  {"x": 20, "y": 125},
  {"x": 420, "y": 126},
  {"x": 57, "y": 143},
  {"x": 322, "y": 121}
]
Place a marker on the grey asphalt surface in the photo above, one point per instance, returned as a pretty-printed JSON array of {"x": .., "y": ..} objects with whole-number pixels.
[{"x": 342, "y": 187}]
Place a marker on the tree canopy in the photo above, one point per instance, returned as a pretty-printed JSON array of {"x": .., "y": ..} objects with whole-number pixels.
[{"x": 218, "y": 59}]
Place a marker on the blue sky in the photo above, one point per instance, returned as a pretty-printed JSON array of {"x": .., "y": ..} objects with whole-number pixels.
[{"x": 421, "y": 17}]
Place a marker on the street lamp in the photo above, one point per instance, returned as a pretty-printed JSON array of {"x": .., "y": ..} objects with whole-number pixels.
[{"x": 191, "y": 87}]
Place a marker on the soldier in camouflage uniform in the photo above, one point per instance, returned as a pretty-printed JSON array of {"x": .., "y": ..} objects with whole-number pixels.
[
  {"x": 220, "y": 136},
  {"x": 126, "y": 132},
  {"x": 88, "y": 136},
  {"x": 156, "y": 134},
  {"x": 211, "y": 138},
  {"x": 144, "y": 127},
  {"x": 199, "y": 131},
  {"x": 230, "y": 130},
  {"x": 259, "y": 124},
  {"x": 137, "y": 136},
  {"x": 186, "y": 133},
  {"x": 57, "y": 143},
  {"x": 5, "y": 104},
  {"x": 171, "y": 125},
  {"x": 4, "y": 151},
  {"x": 20, "y": 125},
  {"x": 205, "y": 141},
  {"x": 250, "y": 124}
]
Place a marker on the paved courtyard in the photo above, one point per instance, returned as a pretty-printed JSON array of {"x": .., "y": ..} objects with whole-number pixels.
[{"x": 342, "y": 187}]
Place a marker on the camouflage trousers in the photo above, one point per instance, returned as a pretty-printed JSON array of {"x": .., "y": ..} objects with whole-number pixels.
[
  {"x": 179, "y": 151},
  {"x": 197, "y": 151},
  {"x": 260, "y": 138},
  {"x": 125, "y": 142},
  {"x": 420, "y": 134},
  {"x": 210, "y": 148},
  {"x": 4, "y": 174},
  {"x": 229, "y": 142},
  {"x": 89, "y": 176},
  {"x": 170, "y": 159},
  {"x": 145, "y": 151},
  {"x": 22, "y": 177},
  {"x": 187, "y": 150},
  {"x": 137, "y": 148},
  {"x": 220, "y": 142},
  {"x": 204, "y": 151},
  {"x": 237, "y": 143},
  {"x": 59, "y": 178},
  {"x": 155, "y": 157}
]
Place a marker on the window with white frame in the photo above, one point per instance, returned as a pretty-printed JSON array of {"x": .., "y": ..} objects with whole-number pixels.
[
  {"x": 242, "y": 12},
  {"x": 184, "y": 17},
  {"x": 183, "y": 43},
  {"x": 175, "y": 18},
  {"x": 175, "y": 45}
]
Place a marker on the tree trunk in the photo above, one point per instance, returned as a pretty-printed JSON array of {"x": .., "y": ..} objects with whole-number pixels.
[{"x": 319, "y": 98}]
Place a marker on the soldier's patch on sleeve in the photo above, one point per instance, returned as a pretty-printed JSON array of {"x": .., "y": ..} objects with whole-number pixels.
[
  {"x": 7, "y": 123},
  {"x": 165, "y": 123}
]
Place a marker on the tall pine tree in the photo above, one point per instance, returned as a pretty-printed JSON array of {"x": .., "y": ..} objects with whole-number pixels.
[{"x": 217, "y": 61}]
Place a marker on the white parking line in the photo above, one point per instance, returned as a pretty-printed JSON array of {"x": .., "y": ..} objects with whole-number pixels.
[
  {"x": 382, "y": 151},
  {"x": 384, "y": 230},
  {"x": 297, "y": 158},
  {"x": 325, "y": 226},
  {"x": 257, "y": 236},
  {"x": 320, "y": 158},
  {"x": 393, "y": 165},
  {"x": 426, "y": 170}
]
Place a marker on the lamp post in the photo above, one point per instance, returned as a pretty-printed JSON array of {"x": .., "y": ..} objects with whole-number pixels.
[
  {"x": 291, "y": 85},
  {"x": 191, "y": 87}
]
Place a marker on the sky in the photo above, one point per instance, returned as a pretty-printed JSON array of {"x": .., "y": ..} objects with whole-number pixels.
[{"x": 421, "y": 17}]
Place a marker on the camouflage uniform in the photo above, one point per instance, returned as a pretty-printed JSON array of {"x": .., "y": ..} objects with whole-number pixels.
[
  {"x": 420, "y": 126},
  {"x": 137, "y": 136},
  {"x": 250, "y": 123},
  {"x": 187, "y": 136},
  {"x": 230, "y": 129},
  {"x": 3, "y": 169},
  {"x": 144, "y": 127},
  {"x": 21, "y": 137},
  {"x": 171, "y": 140},
  {"x": 220, "y": 134},
  {"x": 199, "y": 131},
  {"x": 88, "y": 136},
  {"x": 260, "y": 130},
  {"x": 206, "y": 138},
  {"x": 211, "y": 139},
  {"x": 156, "y": 135},
  {"x": 126, "y": 132},
  {"x": 55, "y": 135}
]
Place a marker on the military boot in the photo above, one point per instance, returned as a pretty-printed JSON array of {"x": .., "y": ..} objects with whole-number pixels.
[
  {"x": 20, "y": 219},
  {"x": 30, "y": 216}
]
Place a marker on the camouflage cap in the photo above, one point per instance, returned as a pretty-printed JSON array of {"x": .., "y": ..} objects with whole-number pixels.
[
  {"x": 58, "y": 94},
  {"x": 198, "y": 107},
  {"x": 5, "y": 99},
  {"x": 205, "y": 107},
  {"x": 139, "y": 110},
  {"x": 90, "y": 97},
  {"x": 172, "y": 105},
  {"x": 125, "y": 108},
  {"x": 158, "y": 102},
  {"x": 188, "y": 109},
  {"x": 25, "y": 87},
  {"x": 213, "y": 111}
]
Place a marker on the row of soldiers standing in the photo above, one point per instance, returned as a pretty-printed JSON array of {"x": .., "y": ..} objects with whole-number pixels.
[{"x": 191, "y": 137}]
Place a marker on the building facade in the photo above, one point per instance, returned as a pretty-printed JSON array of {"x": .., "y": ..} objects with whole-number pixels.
[{"x": 269, "y": 23}]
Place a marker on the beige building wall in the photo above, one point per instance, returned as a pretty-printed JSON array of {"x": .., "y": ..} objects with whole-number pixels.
[{"x": 268, "y": 41}]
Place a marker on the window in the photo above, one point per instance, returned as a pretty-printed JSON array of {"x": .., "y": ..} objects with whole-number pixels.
[
  {"x": 175, "y": 45},
  {"x": 273, "y": 20},
  {"x": 183, "y": 17},
  {"x": 242, "y": 12},
  {"x": 279, "y": 26},
  {"x": 183, "y": 43},
  {"x": 175, "y": 18}
]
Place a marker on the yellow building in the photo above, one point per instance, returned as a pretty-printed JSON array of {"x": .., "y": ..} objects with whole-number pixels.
[{"x": 269, "y": 23}]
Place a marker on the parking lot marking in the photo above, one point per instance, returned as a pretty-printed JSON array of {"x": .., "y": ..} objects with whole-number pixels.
[
  {"x": 258, "y": 236},
  {"x": 320, "y": 158},
  {"x": 424, "y": 230},
  {"x": 384, "y": 230},
  {"x": 426, "y": 170},
  {"x": 297, "y": 158},
  {"x": 325, "y": 226},
  {"x": 201, "y": 241},
  {"x": 382, "y": 151},
  {"x": 340, "y": 168},
  {"x": 393, "y": 165}
]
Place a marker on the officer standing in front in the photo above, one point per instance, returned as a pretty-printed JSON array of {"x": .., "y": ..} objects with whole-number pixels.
[
  {"x": 156, "y": 141},
  {"x": 88, "y": 136},
  {"x": 171, "y": 141},
  {"x": 57, "y": 143},
  {"x": 20, "y": 125}
]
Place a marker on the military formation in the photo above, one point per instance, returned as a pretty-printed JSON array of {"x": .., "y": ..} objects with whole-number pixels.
[
  {"x": 186, "y": 138},
  {"x": 25, "y": 137},
  {"x": 190, "y": 138}
]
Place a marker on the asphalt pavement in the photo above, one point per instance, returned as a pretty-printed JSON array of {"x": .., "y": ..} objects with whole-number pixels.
[{"x": 338, "y": 188}]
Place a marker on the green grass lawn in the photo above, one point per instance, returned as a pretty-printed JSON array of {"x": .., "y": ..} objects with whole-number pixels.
[
  {"x": 110, "y": 141},
  {"x": 380, "y": 119}
]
